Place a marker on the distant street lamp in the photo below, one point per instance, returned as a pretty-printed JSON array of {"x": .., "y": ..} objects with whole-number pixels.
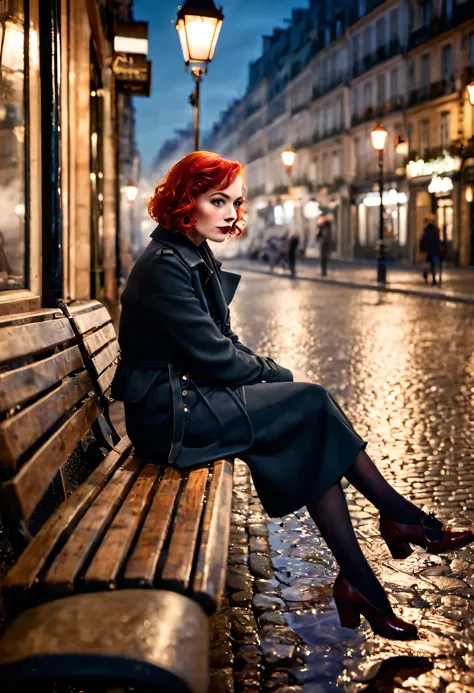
[
  {"x": 470, "y": 91},
  {"x": 198, "y": 25},
  {"x": 288, "y": 158},
  {"x": 379, "y": 136},
  {"x": 131, "y": 192}
]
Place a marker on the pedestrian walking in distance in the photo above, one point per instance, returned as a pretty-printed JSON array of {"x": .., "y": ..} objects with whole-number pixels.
[
  {"x": 430, "y": 244},
  {"x": 194, "y": 393},
  {"x": 293, "y": 243},
  {"x": 324, "y": 238}
]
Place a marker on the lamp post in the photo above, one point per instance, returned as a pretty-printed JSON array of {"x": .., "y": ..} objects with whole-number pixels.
[
  {"x": 379, "y": 136},
  {"x": 198, "y": 25},
  {"x": 131, "y": 192}
]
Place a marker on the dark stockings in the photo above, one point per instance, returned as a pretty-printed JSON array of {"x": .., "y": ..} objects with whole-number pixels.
[
  {"x": 367, "y": 479},
  {"x": 331, "y": 514}
]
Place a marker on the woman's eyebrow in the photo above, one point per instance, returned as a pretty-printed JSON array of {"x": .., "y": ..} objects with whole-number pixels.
[{"x": 227, "y": 196}]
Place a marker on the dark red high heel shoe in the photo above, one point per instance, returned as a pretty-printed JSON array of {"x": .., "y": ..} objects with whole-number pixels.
[
  {"x": 351, "y": 604},
  {"x": 429, "y": 533}
]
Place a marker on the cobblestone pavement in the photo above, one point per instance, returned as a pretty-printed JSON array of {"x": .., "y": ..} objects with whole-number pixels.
[
  {"x": 457, "y": 283},
  {"x": 403, "y": 369}
]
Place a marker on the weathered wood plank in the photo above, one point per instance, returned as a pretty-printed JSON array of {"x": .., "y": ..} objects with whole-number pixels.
[
  {"x": 179, "y": 562},
  {"x": 105, "y": 357},
  {"x": 20, "y": 431},
  {"x": 29, "y": 381},
  {"x": 210, "y": 573},
  {"x": 59, "y": 526},
  {"x": 21, "y": 341},
  {"x": 110, "y": 556},
  {"x": 141, "y": 567},
  {"x": 87, "y": 534},
  {"x": 106, "y": 378},
  {"x": 97, "y": 340},
  {"x": 26, "y": 318},
  {"x": 25, "y": 490},
  {"x": 94, "y": 317}
]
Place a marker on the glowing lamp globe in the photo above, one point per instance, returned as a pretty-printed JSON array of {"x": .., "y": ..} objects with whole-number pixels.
[
  {"x": 288, "y": 157},
  {"x": 379, "y": 135},
  {"x": 198, "y": 25}
]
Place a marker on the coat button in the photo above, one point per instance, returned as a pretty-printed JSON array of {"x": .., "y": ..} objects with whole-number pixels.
[
  {"x": 186, "y": 409},
  {"x": 228, "y": 323},
  {"x": 184, "y": 393},
  {"x": 184, "y": 377}
]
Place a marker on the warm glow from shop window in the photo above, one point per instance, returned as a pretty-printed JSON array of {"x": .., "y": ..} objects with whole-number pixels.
[
  {"x": 13, "y": 48},
  {"x": 469, "y": 194},
  {"x": 470, "y": 91}
]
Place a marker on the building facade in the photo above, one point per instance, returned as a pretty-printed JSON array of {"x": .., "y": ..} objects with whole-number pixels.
[
  {"x": 321, "y": 85},
  {"x": 59, "y": 153}
]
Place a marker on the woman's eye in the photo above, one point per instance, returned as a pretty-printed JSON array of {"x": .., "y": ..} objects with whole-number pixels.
[
  {"x": 217, "y": 202},
  {"x": 238, "y": 203}
]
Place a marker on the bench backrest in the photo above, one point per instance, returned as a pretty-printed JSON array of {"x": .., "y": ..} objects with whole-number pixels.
[{"x": 47, "y": 406}]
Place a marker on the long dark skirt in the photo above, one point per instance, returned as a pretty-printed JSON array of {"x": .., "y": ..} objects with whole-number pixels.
[{"x": 302, "y": 443}]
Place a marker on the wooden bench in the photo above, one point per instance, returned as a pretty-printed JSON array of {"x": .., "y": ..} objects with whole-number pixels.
[{"x": 124, "y": 559}]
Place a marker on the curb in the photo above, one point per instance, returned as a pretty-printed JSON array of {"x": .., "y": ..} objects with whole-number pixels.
[{"x": 437, "y": 296}]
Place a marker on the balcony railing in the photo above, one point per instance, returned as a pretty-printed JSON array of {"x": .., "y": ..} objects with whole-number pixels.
[
  {"x": 256, "y": 154},
  {"x": 297, "y": 108},
  {"x": 462, "y": 13},
  {"x": 435, "y": 90}
]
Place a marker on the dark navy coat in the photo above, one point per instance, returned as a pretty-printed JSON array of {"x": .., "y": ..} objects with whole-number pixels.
[{"x": 193, "y": 393}]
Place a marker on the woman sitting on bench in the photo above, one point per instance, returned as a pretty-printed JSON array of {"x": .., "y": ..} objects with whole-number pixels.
[{"x": 194, "y": 394}]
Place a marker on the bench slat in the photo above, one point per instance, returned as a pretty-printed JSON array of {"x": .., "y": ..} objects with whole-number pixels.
[
  {"x": 109, "y": 558},
  {"x": 21, "y": 341},
  {"x": 56, "y": 529},
  {"x": 105, "y": 380},
  {"x": 90, "y": 318},
  {"x": 105, "y": 357},
  {"x": 20, "y": 431},
  {"x": 29, "y": 381},
  {"x": 141, "y": 567},
  {"x": 26, "y": 489},
  {"x": 179, "y": 562},
  {"x": 211, "y": 568},
  {"x": 59, "y": 579},
  {"x": 97, "y": 340}
]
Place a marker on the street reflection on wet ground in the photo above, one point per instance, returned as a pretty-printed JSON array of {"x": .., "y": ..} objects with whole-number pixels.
[{"x": 403, "y": 370}]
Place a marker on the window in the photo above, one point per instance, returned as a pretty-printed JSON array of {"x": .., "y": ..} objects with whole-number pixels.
[
  {"x": 336, "y": 165},
  {"x": 426, "y": 12},
  {"x": 410, "y": 136},
  {"x": 356, "y": 48},
  {"x": 444, "y": 134},
  {"x": 367, "y": 40},
  {"x": 381, "y": 89},
  {"x": 368, "y": 95},
  {"x": 449, "y": 8},
  {"x": 355, "y": 100},
  {"x": 394, "y": 93},
  {"x": 338, "y": 114},
  {"x": 411, "y": 74},
  {"x": 425, "y": 70},
  {"x": 447, "y": 63},
  {"x": 380, "y": 31},
  {"x": 424, "y": 136},
  {"x": 329, "y": 118},
  {"x": 394, "y": 25},
  {"x": 362, "y": 8},
  {"x": 471, "y": 49},
  {"x": 14, "y": 201},
  {"x": 325, "y": 170}
]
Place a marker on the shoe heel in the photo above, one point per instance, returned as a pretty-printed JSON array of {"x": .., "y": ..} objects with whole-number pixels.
[
  {"x": 400, "y": 549},
  {"x": 348, "y": 616}
]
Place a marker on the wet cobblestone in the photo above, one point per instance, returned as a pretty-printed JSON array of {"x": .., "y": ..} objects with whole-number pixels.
[{"x": 403, "y": 369}]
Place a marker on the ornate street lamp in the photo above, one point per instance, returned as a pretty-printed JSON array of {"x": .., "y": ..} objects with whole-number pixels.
[
  {"x": 379, "y": 137},
  {"x": 198, "y": 25},
  {"x": 288, "y": 158}
]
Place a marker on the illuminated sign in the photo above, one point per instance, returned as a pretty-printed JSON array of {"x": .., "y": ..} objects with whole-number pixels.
[
  {"x": 440, "y": 184},
  {"x": 390, "y": 197},
  {"x": 434, "y": 167},
  {"x": 131, "y": 68}
]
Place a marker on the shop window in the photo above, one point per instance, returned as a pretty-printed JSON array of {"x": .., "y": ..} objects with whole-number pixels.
[
  {"x": 14, "y": 201},
  {"x": 445, "y": 129}
]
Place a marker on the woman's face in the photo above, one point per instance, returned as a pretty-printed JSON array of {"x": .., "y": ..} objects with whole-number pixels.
[{"x": 216, "y": 212}]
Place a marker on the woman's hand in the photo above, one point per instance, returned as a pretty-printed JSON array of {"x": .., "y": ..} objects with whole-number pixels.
[{"x": 299, "y": 377}]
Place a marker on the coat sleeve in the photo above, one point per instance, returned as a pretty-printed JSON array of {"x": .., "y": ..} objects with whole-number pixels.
[
  {"x": 171, "y": 303},
  {"x": 235, "y": 340}
]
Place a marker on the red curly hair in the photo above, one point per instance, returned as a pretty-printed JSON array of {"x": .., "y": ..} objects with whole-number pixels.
[{"x": 174, "y": 199}]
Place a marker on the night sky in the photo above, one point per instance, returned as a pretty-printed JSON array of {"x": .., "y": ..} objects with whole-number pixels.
[{"x": 240, "y": 42}]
